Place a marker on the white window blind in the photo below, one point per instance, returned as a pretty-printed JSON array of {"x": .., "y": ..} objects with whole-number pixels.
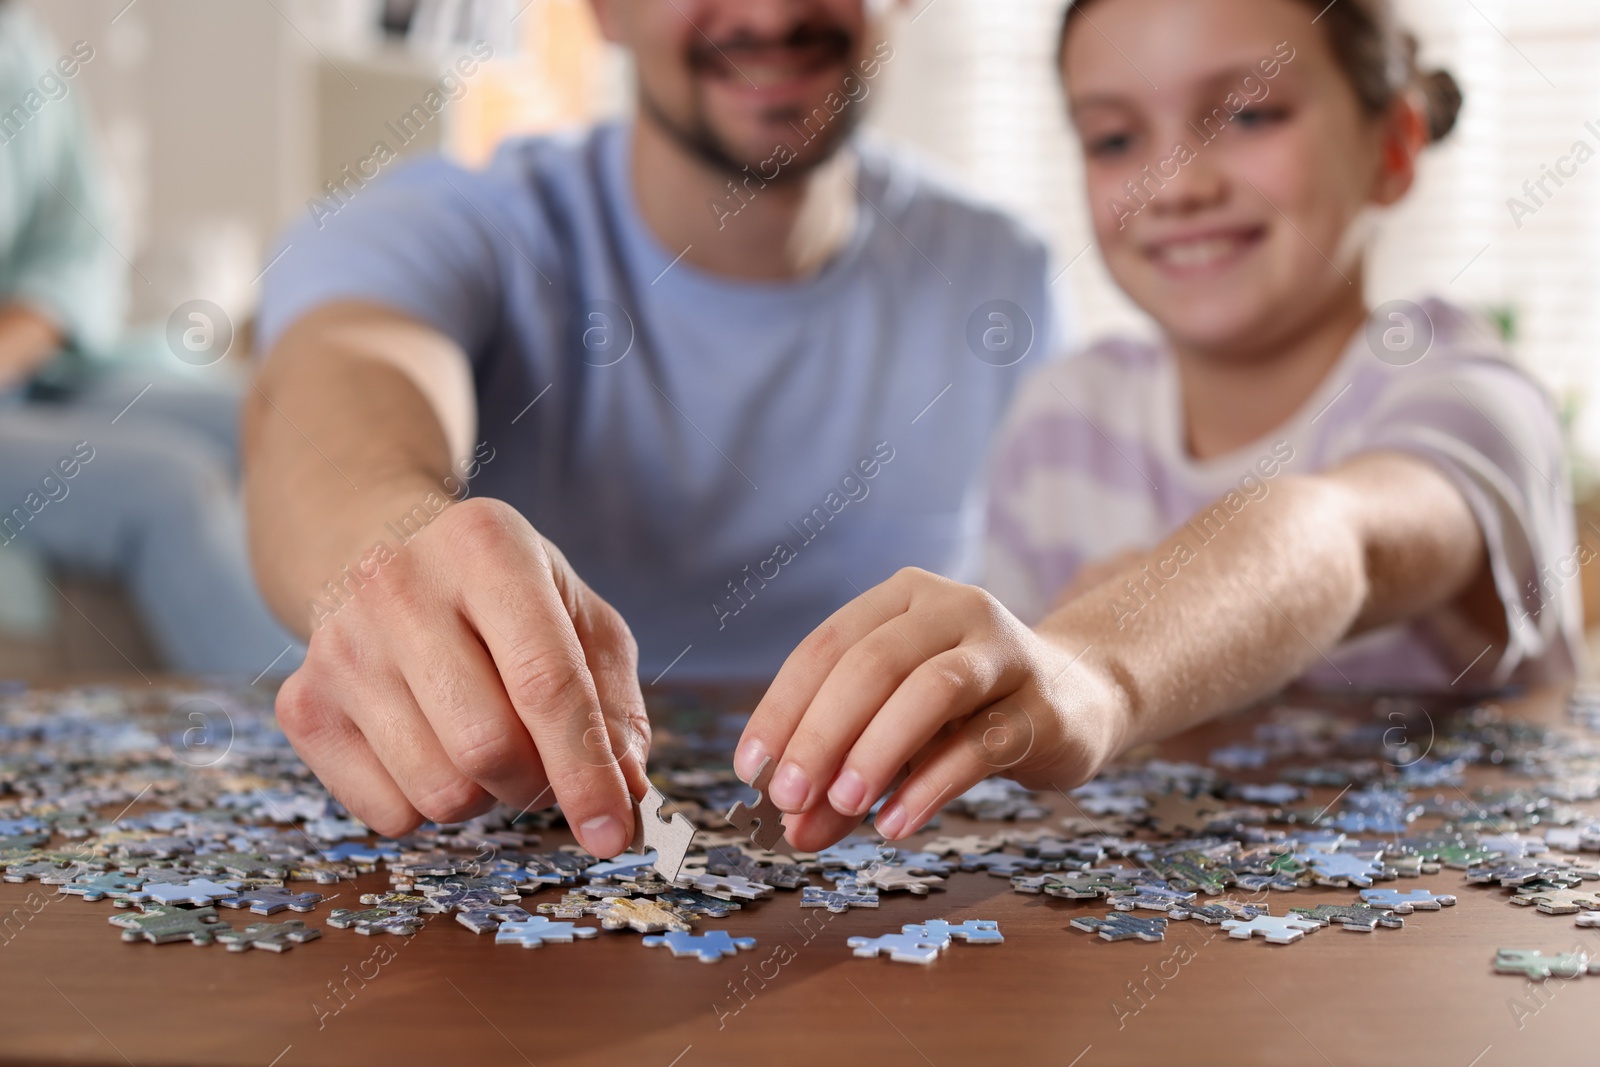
[{"x": 974, "y": 85}]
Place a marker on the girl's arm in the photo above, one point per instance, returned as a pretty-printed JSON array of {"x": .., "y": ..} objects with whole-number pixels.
[{"x": 923, "y": 673}]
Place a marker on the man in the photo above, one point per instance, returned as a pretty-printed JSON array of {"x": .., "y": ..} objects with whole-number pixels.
[{"x": 721, "y": 362}]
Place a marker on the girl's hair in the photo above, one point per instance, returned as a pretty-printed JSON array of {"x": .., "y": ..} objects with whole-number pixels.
[{"x": 1376, "y": 53}]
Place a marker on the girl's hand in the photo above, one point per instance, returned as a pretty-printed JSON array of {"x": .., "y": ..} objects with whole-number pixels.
[{"x": 927, "y": 679}]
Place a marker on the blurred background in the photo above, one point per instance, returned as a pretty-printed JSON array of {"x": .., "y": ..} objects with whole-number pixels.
[{"x": 222, "y": 120}]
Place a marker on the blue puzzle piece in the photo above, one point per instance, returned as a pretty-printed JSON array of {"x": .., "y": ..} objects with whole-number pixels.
[
  {"x": 709, "y": 947},
  {"x": 540, "y": 929},
  {"x": 1403, "y": 903},
  {"x": 902, "y": 947},
  {"x": 624, "y": 866},
  {"x": 973, "y": 931},
  {"x": 356, "y": 852}
]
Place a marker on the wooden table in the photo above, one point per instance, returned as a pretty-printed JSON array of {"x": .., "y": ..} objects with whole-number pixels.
[{"x": 70, "y": 991}]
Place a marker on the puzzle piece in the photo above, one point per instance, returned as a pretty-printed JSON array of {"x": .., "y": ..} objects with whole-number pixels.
[
  {"x": 698, "y": 904},
  {"x": 762, "y": 820},
  {"x": 999, "y": 864},
  {"x": 1151, "y": 898},
  {"x": 163, "y": 923},
  {"x": 668, "y": 839},
  {"x": 641, "y": 915},
  {"x": 972, "y": 931},
  {"x": 1537, "y": 966},
  {"x": 708, "y": 948},
  {"x": 1402, "y": 903},
  {"x": 622, "y": 867},
  {"x": 274, "y": 937},
  {"x": 1341, "y": 868},
  {"x": 1558, "y": 901},
  {"x": 1351, "y": 916},
  {"x": 889, "y": 877},
  {"x": 901, "y": 947},
  {"x": 1277, "y": 929},
  {"x": 402, "y": 921},
  {"x": 1121, "y": 926},
  {"x": 98, "y": 887},
  {"x": 730, "y": 886},
  {"x": 199, "y": 891},
  {"x": 838, "y": 899},
  {"x": 1220, "y": 911},
  {"x": 574, "y": 905},
  {"x": 1588, "y": 918},
  {"x": 268, "y": 901},
  {"x": 487, "y": 920},
  {"x": 539, "y": 930}
]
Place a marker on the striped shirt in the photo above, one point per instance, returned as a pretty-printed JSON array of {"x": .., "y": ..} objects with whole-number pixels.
[{"x": 1091, "y": 462}]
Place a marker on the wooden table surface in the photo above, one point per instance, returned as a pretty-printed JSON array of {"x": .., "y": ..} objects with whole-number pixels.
[{"x": 70, "y": 991}]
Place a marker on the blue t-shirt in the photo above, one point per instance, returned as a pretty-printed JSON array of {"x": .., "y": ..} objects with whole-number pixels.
[{"x": 725, "y": 462}]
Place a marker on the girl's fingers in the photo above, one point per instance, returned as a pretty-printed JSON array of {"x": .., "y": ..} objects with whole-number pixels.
[
  {"x": 951, "y": 686},
  {"x": 950, "y": 771},
  {"x": 818, "y": 828},
  {"x": 863, "y": 681},
  {"x": 808, "y": 666}
]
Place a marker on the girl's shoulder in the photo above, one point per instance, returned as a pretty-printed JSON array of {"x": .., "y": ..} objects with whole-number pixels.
[{"x": 1113, "y": 370}]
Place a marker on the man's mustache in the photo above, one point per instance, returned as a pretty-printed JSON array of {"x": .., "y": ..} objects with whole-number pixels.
[{"x": 832, "y": 42}]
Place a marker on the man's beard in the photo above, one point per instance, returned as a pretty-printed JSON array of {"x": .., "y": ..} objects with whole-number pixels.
[
  {"x": 697, "y": 136},
  {"x": 699, "y": 139}
]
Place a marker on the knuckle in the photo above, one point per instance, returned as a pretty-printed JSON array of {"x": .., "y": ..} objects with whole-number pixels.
[
  {"x": 390, "y": 820},
  {"x": 454, "y": 799},
  {"x": 476, "y": 528},
  {"x": 542, "y": 677},
  {"x": 488, "y": 757}
]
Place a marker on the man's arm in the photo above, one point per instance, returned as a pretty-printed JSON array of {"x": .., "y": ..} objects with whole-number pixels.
[
  {"x": 452, "y": 667},
  {"x": 926, "y": 674}
]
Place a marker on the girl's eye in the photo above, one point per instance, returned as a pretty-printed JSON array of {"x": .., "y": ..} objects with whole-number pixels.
[
  {"x": 1257, "y": 117},
  {"x": 1110, "y": 144}
]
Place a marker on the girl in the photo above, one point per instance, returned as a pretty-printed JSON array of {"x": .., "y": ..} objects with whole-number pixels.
[{"x": 1287, "y": 482}]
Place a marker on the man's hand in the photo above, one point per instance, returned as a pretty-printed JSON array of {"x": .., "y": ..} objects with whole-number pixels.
[
  {"x": 27, "y": 341},
  {"x": 475, "y": 667},
  {"x": 925, "y": 675}
]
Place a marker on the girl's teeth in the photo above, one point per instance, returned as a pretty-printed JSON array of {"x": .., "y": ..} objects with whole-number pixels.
[{"x": 1199, "y": 253}]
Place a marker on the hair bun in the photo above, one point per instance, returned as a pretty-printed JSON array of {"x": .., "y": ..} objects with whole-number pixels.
[{"x": 1442, "y": 94}]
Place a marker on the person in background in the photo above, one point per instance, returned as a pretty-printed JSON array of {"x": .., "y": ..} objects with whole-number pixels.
[
  {"x": 709, "y": 371},
  {"x": 124, "y": 475},
  {"x": 1285, "y": 484}
]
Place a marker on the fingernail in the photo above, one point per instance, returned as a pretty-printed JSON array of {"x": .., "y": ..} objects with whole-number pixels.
[
  {"x": 747, "y": 760},
  {"x": 603, "y": 835},
  {"x": 891, "y": 820},
  {"x": 790, "y": 788},
  {"x": 848, "y": 793}
]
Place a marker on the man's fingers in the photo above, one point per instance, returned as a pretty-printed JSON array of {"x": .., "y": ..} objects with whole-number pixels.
[
  {"x": 808, "y": 667},
  {"x": 404, "y": 740},
  {"x": 613, "y": 660},
  {"x": 338, "y": 754},
  {"x": 458, "y": 690},
  {"x": 528, "y": 628}
]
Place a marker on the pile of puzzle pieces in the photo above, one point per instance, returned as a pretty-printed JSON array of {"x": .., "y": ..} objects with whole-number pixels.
[{"x": 107, "y": 797}]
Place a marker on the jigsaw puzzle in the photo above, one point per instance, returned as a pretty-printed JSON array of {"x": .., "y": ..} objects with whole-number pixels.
[{"x": 707, "y": 948}]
